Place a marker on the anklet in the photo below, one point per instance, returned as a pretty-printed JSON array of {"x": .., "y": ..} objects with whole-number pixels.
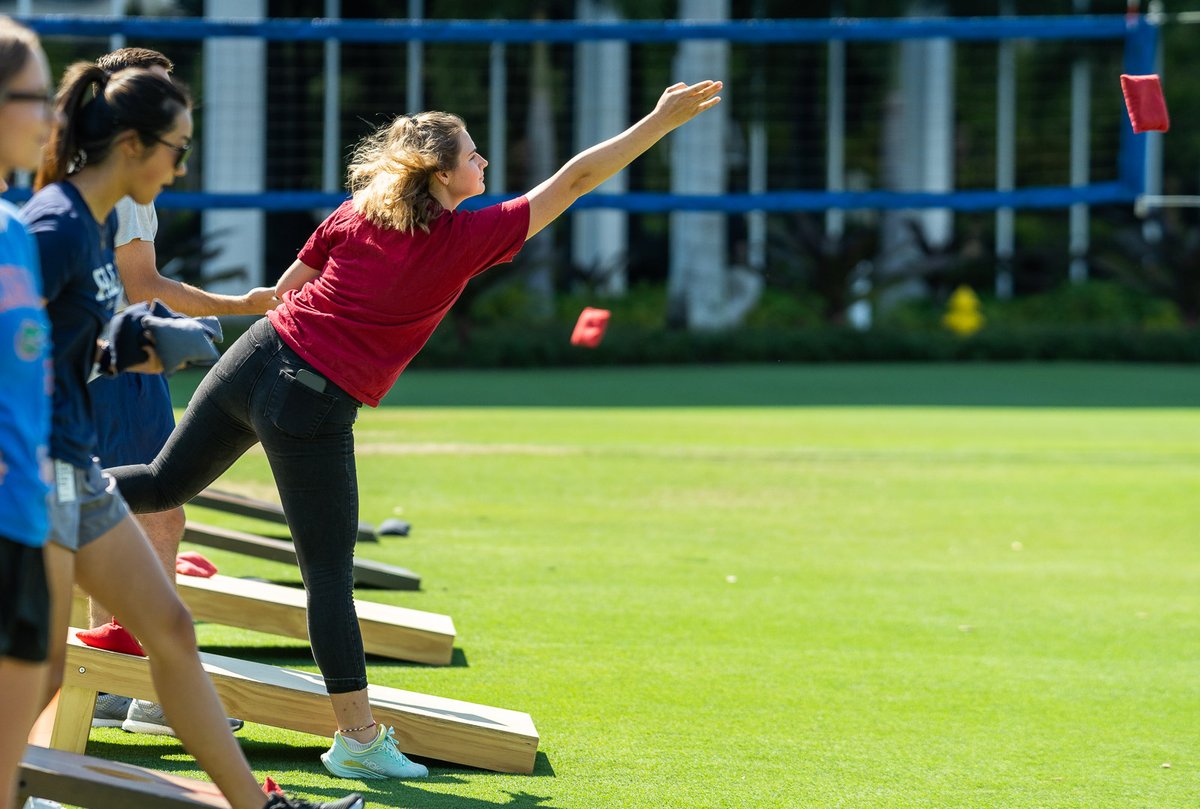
[{"x": 356, "y": 730}]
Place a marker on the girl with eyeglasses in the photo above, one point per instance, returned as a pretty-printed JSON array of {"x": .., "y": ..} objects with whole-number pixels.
[
  {"x": 24, "y": 408},
  {"x": 117, "y": 136}
]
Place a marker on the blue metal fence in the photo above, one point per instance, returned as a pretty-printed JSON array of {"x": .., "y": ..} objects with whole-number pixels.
[{"x": 1139, "y": 36}]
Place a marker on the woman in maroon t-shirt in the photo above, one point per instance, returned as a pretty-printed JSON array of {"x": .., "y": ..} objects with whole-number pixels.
[{"x": 362, "y": 298}]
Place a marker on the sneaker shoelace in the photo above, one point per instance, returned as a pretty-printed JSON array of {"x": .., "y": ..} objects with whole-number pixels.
[{"x": 389, "y": 745}]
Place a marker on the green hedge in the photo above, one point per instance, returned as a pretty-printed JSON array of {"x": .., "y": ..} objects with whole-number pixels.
[
  {"x": 624, "y": 345},
  {"x": 1097, "y": 321}
]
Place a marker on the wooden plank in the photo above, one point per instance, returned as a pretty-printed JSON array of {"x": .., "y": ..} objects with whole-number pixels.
[
  {"x": 366, "y": 572},
  {"x": 396, "y": 632},
  {"x": 98, "y": 784},
  {"x": 261, "y": 509},
  {"x": 434, "y": 727}
]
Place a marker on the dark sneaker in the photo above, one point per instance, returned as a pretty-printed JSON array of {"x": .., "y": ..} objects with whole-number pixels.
[
  {"x": 147, "y": 717},
  {"x": 110, "y": 711},
  {"x": 281, "y": 801}
]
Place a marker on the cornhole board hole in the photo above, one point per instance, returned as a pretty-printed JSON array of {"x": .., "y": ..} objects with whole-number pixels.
[
  {"x": 260, "y": 509},
  {"x": 366, "y": 572},
  {"x": 433, "y": 727},
  {"x": 98, "y": 784}
]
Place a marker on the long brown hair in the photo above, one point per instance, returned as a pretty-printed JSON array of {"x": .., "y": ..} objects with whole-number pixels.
[
  {"x": 95, "y": 107},
  {"x": 17, "y": 45},
  {"x": 391, "y": 169}
]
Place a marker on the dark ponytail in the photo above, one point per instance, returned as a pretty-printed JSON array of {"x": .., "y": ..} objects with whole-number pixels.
[{"x": 95, "y": 107}]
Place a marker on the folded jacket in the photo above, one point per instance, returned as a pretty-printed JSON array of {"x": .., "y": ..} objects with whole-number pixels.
[{"x": 178, "y": 339}]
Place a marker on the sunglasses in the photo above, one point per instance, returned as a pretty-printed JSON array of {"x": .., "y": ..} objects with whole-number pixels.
[
  {"x": 46, "y": 99},
  {"x": 181, "y": 152}
]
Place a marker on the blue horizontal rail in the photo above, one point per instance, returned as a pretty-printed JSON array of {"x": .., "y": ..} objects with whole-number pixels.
[
  {"x": 645, "y": 202},
  {"x": 641, "y": 31}
]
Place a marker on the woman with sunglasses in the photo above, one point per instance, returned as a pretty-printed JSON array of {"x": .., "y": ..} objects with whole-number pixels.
[
  {"x": 133, "y": 412},
  {"x": 24, "y": 408},
  {"x": 117, "y": 136}
]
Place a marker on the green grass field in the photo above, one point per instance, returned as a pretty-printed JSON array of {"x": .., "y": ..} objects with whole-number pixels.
[{"x": 845, "y": 586}]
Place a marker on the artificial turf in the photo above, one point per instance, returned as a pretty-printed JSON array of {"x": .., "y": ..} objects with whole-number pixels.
[{"x": 866, "y": 586}]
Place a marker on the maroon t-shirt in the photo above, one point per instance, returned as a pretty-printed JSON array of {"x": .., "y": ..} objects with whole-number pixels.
[{"x": 381, "y": 292}]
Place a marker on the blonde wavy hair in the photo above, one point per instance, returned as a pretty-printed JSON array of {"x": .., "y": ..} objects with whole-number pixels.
[{"x": 391, "y": 169}]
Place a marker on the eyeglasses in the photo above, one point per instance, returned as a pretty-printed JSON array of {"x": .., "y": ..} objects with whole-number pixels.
[
  {"x": 47, "y": 99},
  {"x": 181, "y": 151}
]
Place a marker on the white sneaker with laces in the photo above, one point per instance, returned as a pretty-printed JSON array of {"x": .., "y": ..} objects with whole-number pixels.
[{"x": 379, "y": 759}]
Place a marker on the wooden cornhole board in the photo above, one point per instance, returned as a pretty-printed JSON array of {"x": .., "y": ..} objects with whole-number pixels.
[
  {"x": 261, "y": 509},
  {"x": 388, "y": 631},
  {"x": 366, "y": 572},
  {"x": 434, "y": 727},
  {"x": 395, "y": 632},
  {"x": 98, "y": 784}
]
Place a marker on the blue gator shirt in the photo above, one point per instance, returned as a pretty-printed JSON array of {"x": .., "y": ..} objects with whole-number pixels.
[
  {"x": 25, "y": 392},
  {"x": 81, "y": 285}
]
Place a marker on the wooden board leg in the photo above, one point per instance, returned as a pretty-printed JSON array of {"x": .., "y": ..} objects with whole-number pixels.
[{"x": 73, "y": 720}]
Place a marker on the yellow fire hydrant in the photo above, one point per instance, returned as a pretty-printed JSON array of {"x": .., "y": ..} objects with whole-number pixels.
[{"x": 963, "y": 316}]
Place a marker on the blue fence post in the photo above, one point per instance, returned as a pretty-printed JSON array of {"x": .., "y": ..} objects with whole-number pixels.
[{"x": 1141, "y": 44}]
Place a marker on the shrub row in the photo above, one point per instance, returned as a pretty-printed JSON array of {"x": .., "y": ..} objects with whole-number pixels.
[{"x": 532, "y": 346}]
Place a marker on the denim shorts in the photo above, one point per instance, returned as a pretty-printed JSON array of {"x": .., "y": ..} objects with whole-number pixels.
[{"x": 84, "y": 505}]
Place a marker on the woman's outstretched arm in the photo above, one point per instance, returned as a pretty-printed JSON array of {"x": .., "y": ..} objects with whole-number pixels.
[{"x": 679, "y": 104}]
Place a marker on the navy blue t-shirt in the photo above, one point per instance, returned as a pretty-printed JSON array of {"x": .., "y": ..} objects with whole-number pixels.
[{"x": 81, "y": 285}]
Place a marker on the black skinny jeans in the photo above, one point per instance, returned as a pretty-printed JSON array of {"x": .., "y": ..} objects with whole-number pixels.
[{"x": 250, "y": 396}]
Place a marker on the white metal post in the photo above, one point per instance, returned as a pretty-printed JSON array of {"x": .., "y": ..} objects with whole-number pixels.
[
  {"x": 23, "y": 179},
  {"x": 117, "y": 41},
  {"x": 497, "y": 170},
  {"x": 416, "y": 59},
  {"x": 835, "y": 129},
  {"x": 756, "y": 162},
  {"x": 234, "y": 142},
  {"x": 331, "y": 164},
  {"x": 1006, "y": 156},
  {"x": 600, "y": 238},
  {"x": 1081, "y": 113}
]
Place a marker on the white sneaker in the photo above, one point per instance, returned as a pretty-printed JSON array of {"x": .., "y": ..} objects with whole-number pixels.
[
  {"x": 148, "y": 717},
  {"x": 111, "y": 711},
  {"x": 41, "y": 803},
  {"x": 379, "y": 759}
]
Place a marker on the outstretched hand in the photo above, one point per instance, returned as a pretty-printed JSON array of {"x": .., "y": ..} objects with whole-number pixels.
[{"x": 682, "y": 102}]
